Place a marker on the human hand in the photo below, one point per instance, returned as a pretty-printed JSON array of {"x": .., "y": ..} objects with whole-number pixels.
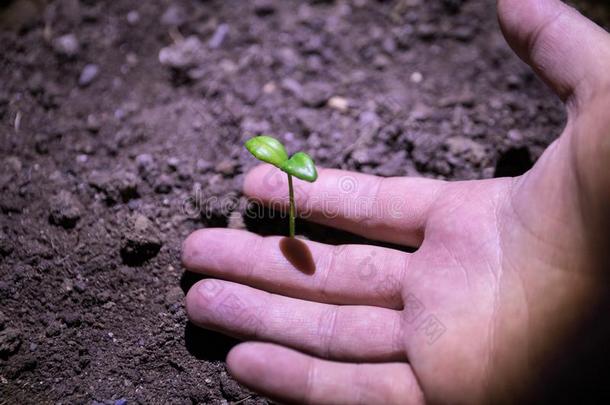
[{"x": 508, "y": 283}]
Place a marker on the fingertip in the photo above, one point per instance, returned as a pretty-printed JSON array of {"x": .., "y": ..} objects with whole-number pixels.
[
  {"x": 189, "y": 248},
  {"x": 191, "y": 303},
  {"x": 199, "y": 299},
  {"x": 269, "y": 369},
  {"x": 201, "y": 248},
  {"x": 566, "y": 49},
  {"x": 242, "y": 359},
  {"x": 248, "y": 363}
]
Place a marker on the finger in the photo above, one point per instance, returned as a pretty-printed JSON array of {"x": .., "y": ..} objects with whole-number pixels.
[
  {"x": 340, "y": 332},
  {"x": 297, "y": 378},
  {"x": 348, "y": 274},
  {"x": 390, "y": 209},
  {"x": 566, "y": 49}
]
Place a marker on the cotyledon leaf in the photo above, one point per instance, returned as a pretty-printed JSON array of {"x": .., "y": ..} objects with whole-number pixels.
[
  {"x": 300, "y": 165},
  {"x": 268, "y": 150}
]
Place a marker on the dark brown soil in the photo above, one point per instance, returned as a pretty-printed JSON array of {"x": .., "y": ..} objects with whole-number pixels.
[{"x": 110, "y": 158}]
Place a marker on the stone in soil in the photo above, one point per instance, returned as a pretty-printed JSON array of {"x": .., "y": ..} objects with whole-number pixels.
[
  {"x": 88, "y": 75},
  {"x": 65, "y": 210},
  {"x": 227, "y": 167},
  {"x": 183, "y": 54},
  {"x": 219, "y": 36},
  {"x": 71, "y": 318},
  {"x": 338, "y": 103},
  {"x": 163, "y": 184},
  {"x": 309, "y": 120},
  {"x": 421, "y": 112},
  {"x": 174, "y": 16},
  {"x": 120, "y": 186},
  {"x": 93, "y": 123},
  {"x": 133, "y": 17},
  {"x": 140, "y": 241},
  {"x": 54, "y": 329},
  {"x": 67, "y": 45},
  {"x": 315, "y": 94}
]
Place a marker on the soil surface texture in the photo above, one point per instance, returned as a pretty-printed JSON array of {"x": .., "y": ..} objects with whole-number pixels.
[{"x": 121, "y": 131}]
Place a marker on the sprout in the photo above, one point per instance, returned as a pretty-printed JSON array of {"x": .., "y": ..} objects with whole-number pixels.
[{"x": 299, "y": 165}]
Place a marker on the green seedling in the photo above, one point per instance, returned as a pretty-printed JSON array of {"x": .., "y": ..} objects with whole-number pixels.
[{"x": 299, "y": 165}]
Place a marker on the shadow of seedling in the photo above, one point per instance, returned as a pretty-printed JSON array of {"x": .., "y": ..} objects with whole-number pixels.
[{"x": 298, "y": 254}]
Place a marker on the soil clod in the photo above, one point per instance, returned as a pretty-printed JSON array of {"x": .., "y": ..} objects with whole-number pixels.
[
  {"x": 140, "y": 241},
  {"x": 10, "y": 341},
  {"x": 65, "y": 210}
]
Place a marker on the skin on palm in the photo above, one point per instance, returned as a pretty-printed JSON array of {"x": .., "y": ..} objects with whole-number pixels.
[{"x": 508, "y": 279}]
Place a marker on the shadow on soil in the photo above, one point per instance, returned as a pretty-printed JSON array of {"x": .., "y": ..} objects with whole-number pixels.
[{"x": 201, "y": 343}]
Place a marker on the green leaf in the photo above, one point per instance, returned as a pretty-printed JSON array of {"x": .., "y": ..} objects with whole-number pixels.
[
  {"x": 301, "y": 165},
  {"x": 268, "y": 150}
]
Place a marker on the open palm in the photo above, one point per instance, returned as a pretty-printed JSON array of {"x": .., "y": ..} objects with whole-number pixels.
[{"x": 508, "y": 274}]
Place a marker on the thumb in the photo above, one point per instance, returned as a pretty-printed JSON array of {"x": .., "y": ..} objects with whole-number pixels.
[{"x": 568, "y": 51}]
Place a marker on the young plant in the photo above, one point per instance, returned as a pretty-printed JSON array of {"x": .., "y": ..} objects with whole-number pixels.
[{"x": 299, "y": 165}]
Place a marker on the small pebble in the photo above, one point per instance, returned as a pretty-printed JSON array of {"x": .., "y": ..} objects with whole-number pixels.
[
  {"x": 183, "y": 54},
  {"x": 88, "y": 75},
  {"x": 144, "y": 161},
  {"x": 93, "y": 123},
  {"x": 226, "y": 167},
  {"x": 219, "y": 36},
  {"x": 80, "y": 286},
  {"x": 173, "y": 16},
  {"x": 67, "y": 45},
  {"x": 173, "y": 163},
  {"x": 163, "y": 184},
  {"x": 203, "y": 166},
  {"x": 133, "y": 17},
  {"x": 338, "y": 103},
  {"x": 269, "y": 88},
  {"x": 314, "y": 94},
  {"x": 515, "y": 135}
]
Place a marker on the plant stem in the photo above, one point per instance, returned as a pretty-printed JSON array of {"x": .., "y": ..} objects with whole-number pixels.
[{"x": 291, "y": 213}]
